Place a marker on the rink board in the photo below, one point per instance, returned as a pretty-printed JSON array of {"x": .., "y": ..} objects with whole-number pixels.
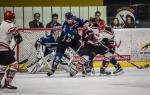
[
  {"x": 133, "y": 44},
  {"x": 123, "y": 64},
  {"x": 97, "y": 64}
]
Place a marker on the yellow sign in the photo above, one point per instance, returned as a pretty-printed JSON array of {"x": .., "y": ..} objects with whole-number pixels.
[{"x": 20, "y": 3}]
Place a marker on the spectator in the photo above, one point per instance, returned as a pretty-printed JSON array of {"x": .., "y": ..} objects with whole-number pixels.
[
  {"x": 115, "y": 23},
  {"x": 53, "y": 23},
  {"x": 97, "y": 18},
  {"x": 129, "y": 23},
  {"x": 36, "y": 22}
]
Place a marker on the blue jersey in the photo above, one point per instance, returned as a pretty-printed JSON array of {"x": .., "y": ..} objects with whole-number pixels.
[{"x": 72, "y": 29}]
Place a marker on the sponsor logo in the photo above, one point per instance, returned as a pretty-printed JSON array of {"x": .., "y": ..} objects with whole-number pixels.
[{"x": 123, "y": 12}]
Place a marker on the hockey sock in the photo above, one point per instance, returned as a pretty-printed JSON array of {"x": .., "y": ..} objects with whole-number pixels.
[
  {"x": 105, "y": 64},
  {"x": 10, "y": 73},
  {"x": 114, "y": 62},
  {"x": 88, "y": 66}
]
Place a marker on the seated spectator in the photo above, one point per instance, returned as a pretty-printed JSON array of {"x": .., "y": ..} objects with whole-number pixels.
[
  {"x": 115, "y": 23},
  {"x": 129, "y": 23},
  {"x": 97, "y": 18},
  {"x": 36, "y": 22},
  {"x": 53, "y": 23}
]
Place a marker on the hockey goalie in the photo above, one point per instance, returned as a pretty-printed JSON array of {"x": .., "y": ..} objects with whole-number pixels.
[{"x": 46, "y": 50}]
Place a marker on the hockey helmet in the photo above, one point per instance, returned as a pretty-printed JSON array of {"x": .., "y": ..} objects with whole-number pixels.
[
  {"x": 9, "y": 15},
  {"x": 68, "y": 15},
  {"x": 101, "y": 25}
]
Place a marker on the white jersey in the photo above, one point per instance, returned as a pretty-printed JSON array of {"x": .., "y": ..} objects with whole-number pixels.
[
  {"x": 99, "y": 36},
  {"x": 6, "y": 33}
]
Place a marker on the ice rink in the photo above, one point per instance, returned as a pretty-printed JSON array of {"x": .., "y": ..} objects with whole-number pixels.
[{"x": 132, "y": 82}]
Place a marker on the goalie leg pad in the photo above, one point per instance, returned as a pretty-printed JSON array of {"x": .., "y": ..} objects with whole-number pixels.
[{"x": 37, "y": 67}]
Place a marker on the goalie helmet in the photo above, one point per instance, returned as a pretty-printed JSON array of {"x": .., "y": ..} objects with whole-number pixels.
[
  {"x": 9, "y": 16},
  {"x": 68, "y": 15}
]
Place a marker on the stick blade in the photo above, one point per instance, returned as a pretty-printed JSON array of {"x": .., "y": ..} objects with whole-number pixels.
[
  {"x": 146, "y": 66},
  {"x": 24, "y": 61}
]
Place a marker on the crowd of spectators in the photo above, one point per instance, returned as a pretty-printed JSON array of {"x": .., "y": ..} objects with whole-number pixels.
[{"x": 128, "y": 22}]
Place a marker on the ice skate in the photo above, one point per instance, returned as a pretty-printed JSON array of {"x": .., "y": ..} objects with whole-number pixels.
[
  {"x": 103, "y": 72},
  {"x": 8, "y": 86},
  {"x": 118, "y": 71},
  {"x": 50, "y": 73}
]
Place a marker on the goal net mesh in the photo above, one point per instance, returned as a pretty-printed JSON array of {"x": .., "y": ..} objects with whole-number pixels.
[{"x": 26, "y": 49}]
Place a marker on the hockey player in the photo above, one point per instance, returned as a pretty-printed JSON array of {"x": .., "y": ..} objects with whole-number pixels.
[
  {"x": 107, "y": 42},
  {"x": 45, "y": 46},
  {"x": 8, "y": 64},
  {"x": 99, "y": 41},
  {"x": 69, "y": 38}
]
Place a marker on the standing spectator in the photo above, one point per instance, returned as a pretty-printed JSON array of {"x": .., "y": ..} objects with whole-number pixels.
[
  {"x": 97, "y": 18},
  {"x": 129, "y": 23},
  {"x": 115, "y": 23},
  {"x": 36, "y": 22},
  {"x": 53, "y": 23}
]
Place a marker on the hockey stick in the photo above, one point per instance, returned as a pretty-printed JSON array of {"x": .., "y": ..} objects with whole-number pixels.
[
  {"x": 138, "y": 67},
  {"x": 24, "y": 61}
]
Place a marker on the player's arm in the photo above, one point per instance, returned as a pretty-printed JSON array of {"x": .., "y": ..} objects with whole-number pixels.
[{"x": 17, "y": 37}]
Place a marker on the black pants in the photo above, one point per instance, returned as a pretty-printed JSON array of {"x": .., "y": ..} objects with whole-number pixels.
[{"x": 6, "y": 58}]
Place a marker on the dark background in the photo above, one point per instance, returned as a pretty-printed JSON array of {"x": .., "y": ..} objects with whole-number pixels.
[{"x": 141, "y": 7}]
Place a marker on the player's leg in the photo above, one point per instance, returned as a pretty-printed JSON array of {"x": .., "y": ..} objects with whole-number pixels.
[
  {"x": 105, "y": 64},
  {"x": 88, "y": 65},
  {"x": 89, "y": 52},
  {"x": 2, "y": 73},
  {"x": 10, "y": 74},
  {"x": 8, "y": 60},
  {"x": 103, "y": 70},
  {"x": 59, "y": 53},
  {"x": 118, "y": 68}
]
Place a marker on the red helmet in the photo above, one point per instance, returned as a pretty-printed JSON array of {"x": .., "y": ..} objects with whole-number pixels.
[
  {"x": 101, "y": 25},
  {"x": 9, "y": 15}
]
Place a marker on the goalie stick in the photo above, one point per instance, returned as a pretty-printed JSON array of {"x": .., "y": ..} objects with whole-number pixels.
[{"x": 138, "y": 67}]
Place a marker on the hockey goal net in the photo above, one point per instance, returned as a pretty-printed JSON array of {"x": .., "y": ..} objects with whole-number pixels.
[{"x": 26, "y": 49}]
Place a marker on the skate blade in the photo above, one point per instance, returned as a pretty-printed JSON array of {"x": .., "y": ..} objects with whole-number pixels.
[
  {"x": 87, "y": 75},
  {"x": 103, "y": 75},
  {"x": 120, "y": 73}
]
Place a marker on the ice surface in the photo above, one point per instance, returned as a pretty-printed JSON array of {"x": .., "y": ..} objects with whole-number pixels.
[{"x": 132, "y": 82}]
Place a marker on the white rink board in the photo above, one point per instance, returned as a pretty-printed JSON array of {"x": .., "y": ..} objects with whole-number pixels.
[{"x": 132, "y": 40}]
